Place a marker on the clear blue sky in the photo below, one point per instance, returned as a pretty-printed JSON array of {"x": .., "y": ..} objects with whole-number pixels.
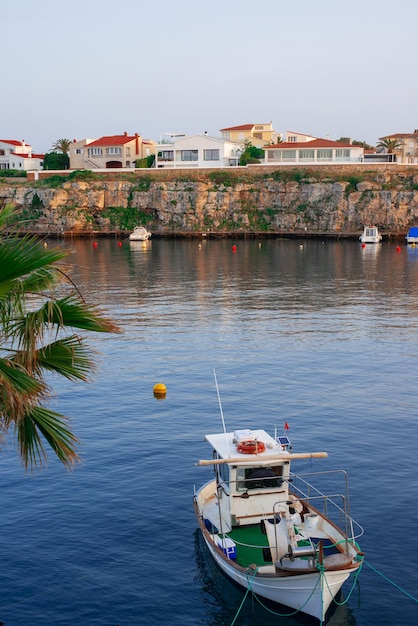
[{"x": 88, "y": 68}]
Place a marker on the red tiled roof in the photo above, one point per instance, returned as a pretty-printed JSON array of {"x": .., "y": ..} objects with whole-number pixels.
[
  {"x": 315, "y": 143},
  {"x": 242, "y": 127},
  {"x": 27, "y": 155},
  {"x": 13, "y": 142},
  {"x": 113, "y": 140}
]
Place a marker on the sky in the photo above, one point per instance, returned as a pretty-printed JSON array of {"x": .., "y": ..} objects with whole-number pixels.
[{"x": 89, "y": 68}]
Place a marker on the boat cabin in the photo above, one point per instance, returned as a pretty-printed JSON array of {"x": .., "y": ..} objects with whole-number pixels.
[{"x": 252, "y": 476}]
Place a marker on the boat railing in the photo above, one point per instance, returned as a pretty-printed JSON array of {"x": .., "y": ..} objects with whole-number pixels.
[{"x": 335, "y": 506}]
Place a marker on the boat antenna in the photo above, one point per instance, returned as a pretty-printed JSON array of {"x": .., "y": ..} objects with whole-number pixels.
[{"x": 221, "y": 411}]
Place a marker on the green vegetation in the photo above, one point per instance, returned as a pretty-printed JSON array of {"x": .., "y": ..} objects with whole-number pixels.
[
  {"x": 62, "y": 146},
  {"x": 145, "y": 162},
  {"x": 86, "y": 175},
  {"x": 355, "y": 142},
  {"x": 12, "y": 174},
  {"x": 390, "y": 145},
  {"x": 251, "y": 154},
  {"x": 56, "y": 161},
  {"x": 126, "y": 218},
  {"x": 35, "y": 344}
]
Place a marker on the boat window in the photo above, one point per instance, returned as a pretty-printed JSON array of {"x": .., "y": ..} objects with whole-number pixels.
[
  {"x": 259, "y": 477},
  {"x": 223, "y": 473}
]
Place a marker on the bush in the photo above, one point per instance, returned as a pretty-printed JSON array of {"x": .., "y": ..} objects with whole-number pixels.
[{"x": 12, "y": 173}]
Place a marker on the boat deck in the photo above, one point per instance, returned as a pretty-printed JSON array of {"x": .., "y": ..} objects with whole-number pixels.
[{"x": 252, "y": 546}]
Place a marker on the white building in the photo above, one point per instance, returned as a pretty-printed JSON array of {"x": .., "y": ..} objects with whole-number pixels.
[
  {"x": 198, "y": 151},
  {"x": 18, "y": 155},
  {"x": 304, "y": 149}
]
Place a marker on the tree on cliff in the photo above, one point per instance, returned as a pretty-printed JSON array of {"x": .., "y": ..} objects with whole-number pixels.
[
  {"x": 62, "y": 146},
  {"x": 39, "y": 308}
]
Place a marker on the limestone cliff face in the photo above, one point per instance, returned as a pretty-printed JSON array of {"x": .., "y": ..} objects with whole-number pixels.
[{"x": 318, "y": 200}]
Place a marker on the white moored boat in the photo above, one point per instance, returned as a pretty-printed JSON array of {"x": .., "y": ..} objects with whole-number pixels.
[
  {"x": 140, "y": 234},
  {"x": 272, "y": 531},
  {"x": 412, "y": 235},
  {"x": 370, "y": 235}
]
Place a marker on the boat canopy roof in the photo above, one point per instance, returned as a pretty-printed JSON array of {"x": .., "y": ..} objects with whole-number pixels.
[
  {"x": 225, "y": 445},
  {"x": 413, "y": 232}
]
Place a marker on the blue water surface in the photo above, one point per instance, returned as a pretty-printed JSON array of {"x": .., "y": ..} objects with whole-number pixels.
[{"x": 322, "y": 335}]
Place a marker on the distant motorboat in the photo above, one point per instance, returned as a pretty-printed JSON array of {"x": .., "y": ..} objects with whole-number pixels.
[
  {"x": 370, "y": 235},
  {"x": 140, "y": 234},
  {"x": 412, "y": 236}
]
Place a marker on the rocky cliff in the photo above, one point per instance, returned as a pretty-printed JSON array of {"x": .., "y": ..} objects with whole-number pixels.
[{"x": 334, "y": 200}]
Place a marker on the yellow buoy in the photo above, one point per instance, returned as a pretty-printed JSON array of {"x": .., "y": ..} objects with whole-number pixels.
[{"x": 160, "y": 390}]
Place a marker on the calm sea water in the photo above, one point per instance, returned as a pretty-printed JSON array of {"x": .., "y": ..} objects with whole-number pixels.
[{"x": 323, "y": 335}]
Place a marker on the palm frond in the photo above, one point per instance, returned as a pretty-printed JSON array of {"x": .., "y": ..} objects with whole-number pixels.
[
  {"x": 6, "y": 214},
  {"x": 67, "y": 357},
  {"x": 15, "y": 378},
  {"x": 18, "y": 389},
  {"x": 19, "y": 258},
  {"x": 40, "y": 422},
  {"x": 72, "y": 312}
]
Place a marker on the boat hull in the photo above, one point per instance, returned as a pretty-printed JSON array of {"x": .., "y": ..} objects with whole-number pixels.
[{"x": 310, "y": 593}]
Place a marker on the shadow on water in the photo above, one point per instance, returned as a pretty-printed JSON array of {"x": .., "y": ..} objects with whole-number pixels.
[{"x": 222, "y": 600}]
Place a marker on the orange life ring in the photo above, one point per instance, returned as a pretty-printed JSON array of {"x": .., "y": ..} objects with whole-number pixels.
[{"x": 251, "y": 447}]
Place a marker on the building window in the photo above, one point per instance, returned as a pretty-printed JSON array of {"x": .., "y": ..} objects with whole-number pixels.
[
  {"x": 342, "y": 154},
  {"x": 324, "y": 155},
  {"x": 306, "y": 155},
  {"x": 94, "y": 152},
  {"x": 211, "y": 155},
  {"x": 116, "y": 151},
  {"x": 258, "y": 135},
  {"x": 292, "y": 139},
  {"x": 166, "y": 155},
  {"x": 188, "y": 155},
  {"x": 282, "y": 155},
  {"x": 78, "y": 151}
]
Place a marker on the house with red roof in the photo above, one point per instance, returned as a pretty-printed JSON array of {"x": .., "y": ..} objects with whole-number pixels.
[
  {"x": 18, "y": 155},
  {"x": 110, "y": 151},
  {"x": 306, "y": 149},
  {"x": 258, "y": 134}
]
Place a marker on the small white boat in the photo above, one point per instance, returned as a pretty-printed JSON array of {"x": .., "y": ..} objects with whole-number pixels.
[
  {"x": 270, "y": 530},
  {"x": 412, "y": 236},
  {"x": 140, "y": 234},
  {"x": 370, "y": 235}
]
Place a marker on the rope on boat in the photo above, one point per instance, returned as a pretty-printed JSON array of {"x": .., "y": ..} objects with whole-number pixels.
[
  {"x": 245, "y": 596},
  {"x": 322, "y": 576},
  {"x": 267, "y": 608},
  {"x": 391, "y": 582}
]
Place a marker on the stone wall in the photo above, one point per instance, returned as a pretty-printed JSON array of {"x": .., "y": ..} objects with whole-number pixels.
[{"x": 333, "y": 199}]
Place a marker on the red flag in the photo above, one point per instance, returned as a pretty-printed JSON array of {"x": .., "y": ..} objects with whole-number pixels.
[{"x": 286, "y": 426}]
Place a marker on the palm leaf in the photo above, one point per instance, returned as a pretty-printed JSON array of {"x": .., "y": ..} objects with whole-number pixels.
[
  {"x": 39, "y": 422},
  {"x": 67, "y": 357},
  {"x": 15, "y": 378},
  {"x": 71, "y": 311}
]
